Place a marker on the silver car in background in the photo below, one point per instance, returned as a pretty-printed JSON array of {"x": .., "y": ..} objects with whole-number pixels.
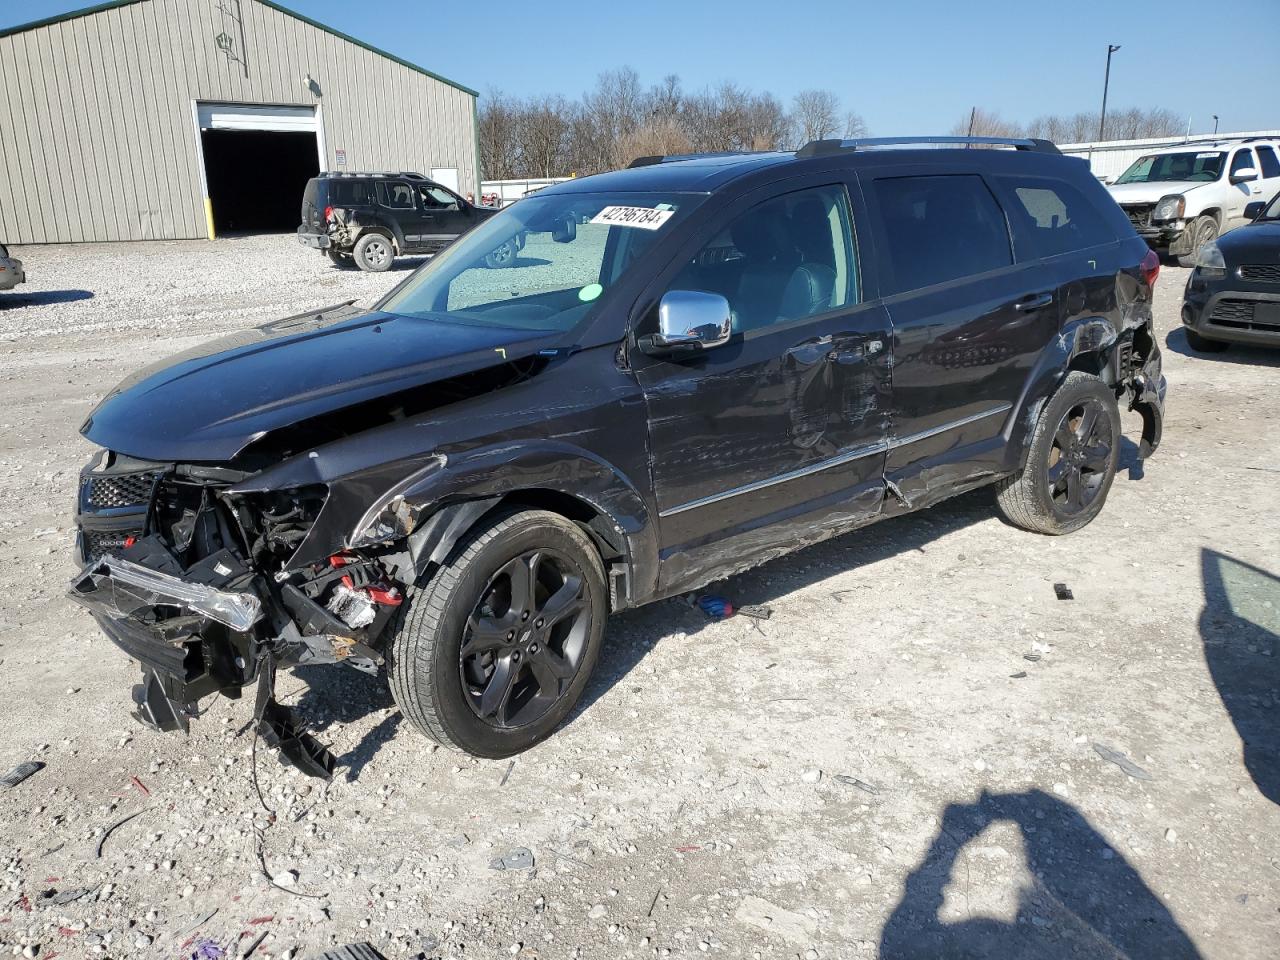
[{"x": 10, "y": 270}]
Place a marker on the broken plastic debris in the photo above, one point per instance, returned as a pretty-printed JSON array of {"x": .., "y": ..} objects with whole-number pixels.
[
  {"x": 855, "y": 782},
  {"x": 521, "y": 858},
  {"x": 120, "y": 588},
  {"x": 1121, "y": 761},
  {"x": 717, "y": 608},
  {"x": 1063, "y": 591},
  {"x": 63, "y": 897},
  {"x": 207, "y": 950},
  {"x": 21, "y": 772}
]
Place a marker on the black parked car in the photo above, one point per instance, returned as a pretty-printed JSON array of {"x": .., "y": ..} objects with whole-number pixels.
[
  {"x": 371, "y": 218},
  {"x": 698, "y": 365},
  {"x": 1233, "y": 294}
]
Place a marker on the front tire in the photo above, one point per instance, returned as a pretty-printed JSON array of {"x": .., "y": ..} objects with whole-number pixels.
[
  {"x": 338, "y": 258},
  {"x": 494, "y": 649},
  {"x": 1071, "y": 460},
  {"x": 1203, "y": 229},
  {"x": 373, "y": 252}
]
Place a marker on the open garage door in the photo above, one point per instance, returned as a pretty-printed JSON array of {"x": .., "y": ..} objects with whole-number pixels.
[{"x": 257, "y": 160}]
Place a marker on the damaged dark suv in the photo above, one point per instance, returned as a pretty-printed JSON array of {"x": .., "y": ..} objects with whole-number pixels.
[{"x": 694, "y": 365}]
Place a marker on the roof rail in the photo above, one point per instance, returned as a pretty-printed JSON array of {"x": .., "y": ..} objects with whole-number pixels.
[
  {"x": 673, "y": 157},
  {"x": 407, "y": 174},
  {"x": 821, "y": 148}
]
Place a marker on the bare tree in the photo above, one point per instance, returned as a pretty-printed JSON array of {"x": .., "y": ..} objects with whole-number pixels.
[
  {"x": 815, "y": 115},
  {"x": 499, "y": 134},
  {"x": 985, "y": 123},
  {"x": 544, "y": 131},
  {"x": 1132, "y": 123},
  {"x": 656, "y": 139}
]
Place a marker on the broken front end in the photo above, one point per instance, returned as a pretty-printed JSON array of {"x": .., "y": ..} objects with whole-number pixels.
[{"x": 191, "y": 579}]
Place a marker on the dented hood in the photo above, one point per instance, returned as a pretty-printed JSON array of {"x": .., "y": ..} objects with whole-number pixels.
[
  {"x": 208, "y": 404},
  {"x": 1151, "y": 192}
]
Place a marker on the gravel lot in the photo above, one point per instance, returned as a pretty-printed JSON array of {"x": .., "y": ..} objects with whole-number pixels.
[{"x": 901, "y": 763}]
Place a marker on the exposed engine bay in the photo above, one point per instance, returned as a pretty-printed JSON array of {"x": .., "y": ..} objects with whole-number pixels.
[{"x": 193, "y": 582}]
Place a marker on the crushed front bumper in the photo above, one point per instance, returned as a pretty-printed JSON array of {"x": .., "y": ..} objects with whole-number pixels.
[{"x": 214, "y": 627}]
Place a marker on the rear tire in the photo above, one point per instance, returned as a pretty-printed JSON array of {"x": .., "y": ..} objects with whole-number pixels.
[
  {"x": 1203, "y": 229},
  {"x": 1203, "y": 344},
  {"x": 1071, "y": 460},
  {"x": 493, "y": 650},
  {"x": 373, "y": 252}
]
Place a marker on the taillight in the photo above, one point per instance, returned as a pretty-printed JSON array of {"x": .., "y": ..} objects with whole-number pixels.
[
  {"x": 1151, "y": 268},
  {"x": 328, "y": 213}
]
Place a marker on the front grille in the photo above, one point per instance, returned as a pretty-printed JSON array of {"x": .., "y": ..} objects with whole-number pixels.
[
  {"x": 120, "y": 490},
  {"x": 1260, "y": 273},
  {"x": 1139, "y": 214},
  {"x": 1261, "y": 316},
  {"x": 98, "y": 543},
  {"x": 1233, "y": 313}
]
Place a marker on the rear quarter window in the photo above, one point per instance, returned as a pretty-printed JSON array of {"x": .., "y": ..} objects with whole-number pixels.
[
  {"x": 350, "y": 193},
  {"x": 1051, "y": 217},
  {"x": 940, "y": 228},
  {"x": 1270, "y": 165}
]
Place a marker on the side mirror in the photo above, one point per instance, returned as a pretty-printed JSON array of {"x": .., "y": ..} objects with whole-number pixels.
[
  {"x": 1244, "y": 175},
  {"x": 689, "y": 321},
  {"x": 565, "y": 230},
  {"x": 1252, "y": 211}
]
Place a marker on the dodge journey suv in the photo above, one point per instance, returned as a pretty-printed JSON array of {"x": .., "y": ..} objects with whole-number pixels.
[{"x": 696, "y": 365}]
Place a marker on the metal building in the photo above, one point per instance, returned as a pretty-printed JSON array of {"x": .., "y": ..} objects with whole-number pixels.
[{"x": 172, "y": 119}]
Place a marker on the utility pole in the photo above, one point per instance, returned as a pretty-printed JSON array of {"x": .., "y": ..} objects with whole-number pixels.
[
  {"x": 1106, "y": 82},
  {"x": 1215, "y": 124}
]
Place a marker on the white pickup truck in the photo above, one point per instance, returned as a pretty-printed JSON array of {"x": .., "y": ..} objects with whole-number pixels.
[{"x": 1180, "y": 198}]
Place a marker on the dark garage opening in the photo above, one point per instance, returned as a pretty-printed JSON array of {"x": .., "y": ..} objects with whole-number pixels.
[{"x": 256, "y": 178}]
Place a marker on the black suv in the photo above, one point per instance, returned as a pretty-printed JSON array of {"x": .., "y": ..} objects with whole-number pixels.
[
  {"x": 697, "y": 364},
  {"x": 372, "y": 218}
]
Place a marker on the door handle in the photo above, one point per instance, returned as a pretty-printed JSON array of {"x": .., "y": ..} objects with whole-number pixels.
[
  {"x": 867, "y": 348},
  {"x": 1034, "y": 301}
]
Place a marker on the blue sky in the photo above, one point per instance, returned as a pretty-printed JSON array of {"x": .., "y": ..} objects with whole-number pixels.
[{"x": 911, "y": 66}]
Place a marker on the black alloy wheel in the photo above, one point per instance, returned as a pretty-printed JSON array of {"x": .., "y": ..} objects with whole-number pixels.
[
  {"x": 525, "y": 639},
  {"x": 1079, "y": 457}
]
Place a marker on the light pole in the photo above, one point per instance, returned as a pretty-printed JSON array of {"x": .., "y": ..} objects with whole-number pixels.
[
  {"x": 1102, "y": 121},
  {"x": 1215, "y": 124}
]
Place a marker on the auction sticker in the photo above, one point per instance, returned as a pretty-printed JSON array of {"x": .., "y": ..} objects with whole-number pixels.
[{"x": 647, "y": 218}]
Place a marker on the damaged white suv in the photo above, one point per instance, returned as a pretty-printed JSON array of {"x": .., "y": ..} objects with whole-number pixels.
[{"x": 1180, "y": 198}]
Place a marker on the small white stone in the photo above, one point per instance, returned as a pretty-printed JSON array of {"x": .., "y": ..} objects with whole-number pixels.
[
  {"x": 596, "y": 912},
  {"x": 811, "y": 775},
  {"x": 1171, "y": 835},
  {"x": 285, "y": 878},
  {"x": 980, "y": 765}
]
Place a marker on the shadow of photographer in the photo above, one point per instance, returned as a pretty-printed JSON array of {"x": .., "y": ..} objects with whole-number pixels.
[{"x": 1084, "y": 900}]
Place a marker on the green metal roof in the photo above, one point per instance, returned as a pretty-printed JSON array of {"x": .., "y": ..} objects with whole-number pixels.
[
  {"x": 84, "y": 12},
  {"x": 112, "y": 4}
]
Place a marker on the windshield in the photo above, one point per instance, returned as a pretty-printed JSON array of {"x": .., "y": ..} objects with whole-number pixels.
[
  {"x": 1203, "y": 166},
  {"x": 541, "y": 263}
]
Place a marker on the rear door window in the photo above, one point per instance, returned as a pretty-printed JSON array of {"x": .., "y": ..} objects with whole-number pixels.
[
  {"x": 940, "y": 228},
  {"x": 1051, "y": 217},
  {"x": 1270, "y": 165},
  {"x": 395, "y": 195}
]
